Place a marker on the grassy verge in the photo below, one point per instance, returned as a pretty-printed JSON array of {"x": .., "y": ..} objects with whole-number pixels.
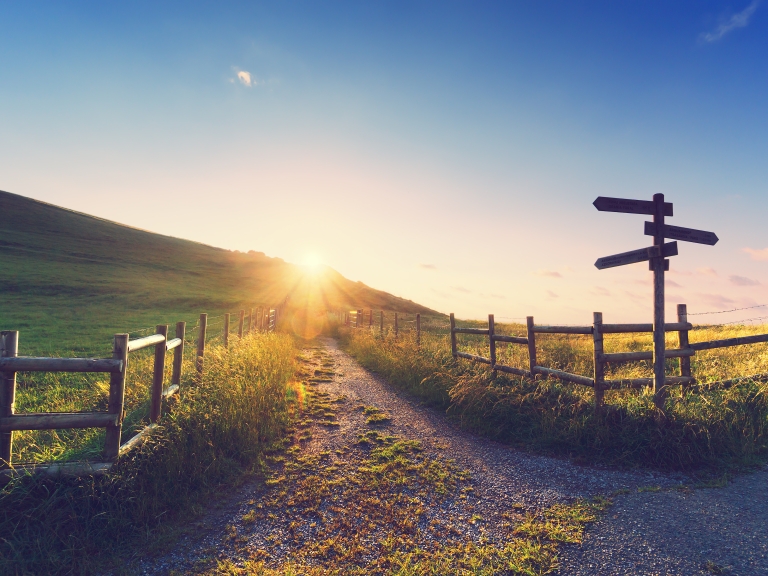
[
  {"x": 713, "y": 429},
  {"x": 218, "y": 429}
]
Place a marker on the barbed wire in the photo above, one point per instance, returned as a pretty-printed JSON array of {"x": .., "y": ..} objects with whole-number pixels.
[{"x": 726, "y": 311}]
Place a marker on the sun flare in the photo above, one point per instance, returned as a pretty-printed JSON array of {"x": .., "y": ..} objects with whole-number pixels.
[{"x": 312, "y": 262}]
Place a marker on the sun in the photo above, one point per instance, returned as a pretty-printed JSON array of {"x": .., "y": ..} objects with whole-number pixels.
[{"x": 312, "y": 262}]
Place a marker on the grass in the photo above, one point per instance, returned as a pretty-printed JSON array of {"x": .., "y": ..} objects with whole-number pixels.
[
  {"x": 710, "y": 430},
  {"x": 219, "y": 429}
]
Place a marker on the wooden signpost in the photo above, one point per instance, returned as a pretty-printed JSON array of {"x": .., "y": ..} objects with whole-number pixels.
[{"x": 656, "y": 255}]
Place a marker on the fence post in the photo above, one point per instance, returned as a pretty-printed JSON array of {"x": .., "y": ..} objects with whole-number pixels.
[
  {"x": 360, "y": 319},
  {"x": 682, "y": 335},
  {"x": 418, "y": 329},
  {"x": 250, "y": 321},
  {"x": 240, "y": 324},
  {"x": 370, "y": 318},
  {"x": 453, "y": 335},
  {"x": 201, "y": 344},
  {"x": 178, "y": 353},
  {"x": 395, "y": 325},
  {"x": 599, "y": 373},
  {"x": 156, "y": 398},
  {"x": 492, "y": 342},
  {"x": 116, "y": 398},
  {"x": 225, "y": 331},
  {"x": 531, "y": 346},
  {"x": 381, "y": 323},
  {"x": 9, "y": 348}
]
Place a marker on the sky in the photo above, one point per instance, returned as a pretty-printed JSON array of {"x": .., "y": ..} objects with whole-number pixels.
[{"x": 446, "y": 152}]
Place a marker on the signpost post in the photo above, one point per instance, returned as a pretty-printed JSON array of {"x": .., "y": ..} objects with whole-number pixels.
[{"x": 656, "y": 255}]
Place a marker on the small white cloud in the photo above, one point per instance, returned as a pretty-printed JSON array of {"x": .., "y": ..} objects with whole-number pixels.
[
  {"x": 548, "y": 273},
  {"x": 757, "y": 254},
  {"x": 739, "y": 20},
  {"x": 707, "y": 271},
  {"x": 244, "y": 77},
  {"x": 743, "y": 281}
]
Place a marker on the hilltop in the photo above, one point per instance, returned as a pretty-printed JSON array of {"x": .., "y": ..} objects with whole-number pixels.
[{"x": 71, "y": 280}]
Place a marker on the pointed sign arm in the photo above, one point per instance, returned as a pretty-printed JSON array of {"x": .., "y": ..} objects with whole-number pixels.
[
  {"x": 684, "y": 234},
  {"x": 628, "y": 206},
  {"x": 634, "y": 256}
]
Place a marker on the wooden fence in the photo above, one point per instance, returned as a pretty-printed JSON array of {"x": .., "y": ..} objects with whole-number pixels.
[
  {"x": 685, "y": 351},
  {"x": 356, "y": 319},
  {"x": 265, "y": 320}
]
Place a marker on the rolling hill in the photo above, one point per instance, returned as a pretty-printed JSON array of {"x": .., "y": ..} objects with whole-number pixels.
[{"x": 69, "y": 280}]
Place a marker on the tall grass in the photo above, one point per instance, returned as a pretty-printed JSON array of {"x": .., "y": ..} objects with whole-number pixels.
[
  {"x": 218, "y": 429},
  {"x": 712, "y": 429}
]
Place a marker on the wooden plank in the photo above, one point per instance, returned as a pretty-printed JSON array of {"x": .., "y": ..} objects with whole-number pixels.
[
  {"x": 9, "y": 348},
  {"x": 627, "y": 328},
  {"x": 137, "y": 440},
  {"x": 628, "y": 206},
  {"x": 531, "y": 345},
  {"x": 510, "y": 339},
  {"x": 684, "y": 234},
  {"x": 170, "y": 391},
  {"x": 659, "y": 389},
  {"x": 158, "y": 374},
  {"x": 567, "y": 376},
  {"x": 481, "y": 331},
  {"x": 68, "y": 469},
  {"x": 178, "y": 354},
  {"x": 599, "y": 363},
  {"x": 724, "y": 384},
  {"x": 35, "y": 364},
  {"x": 173, "y": 343},
  {"x": 635, "y": 256},
  {"x": 729, "y": 342},
  {"x": 58, "y": 421},
  {"x": 473, "y": 357},
  {"x": 240, "y": 324},
  {"x": 563, "y": 329},
  {"x": 453, "y": 335},
  {"x": 146, "y": 342},
  {"x": 491, "y": 341},
  {"x": 682, "y": 339},
  {"x": 512, "y": 370},
  {"x": 646, "y": 355},
  {"x": 116, "y": 397}
]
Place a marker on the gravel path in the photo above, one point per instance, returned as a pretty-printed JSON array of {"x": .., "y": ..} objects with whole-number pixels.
[{"x": 655, "y": 526}]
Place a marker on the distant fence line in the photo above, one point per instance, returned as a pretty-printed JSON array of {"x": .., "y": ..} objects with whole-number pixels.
[{"x": 265, "y": 319}]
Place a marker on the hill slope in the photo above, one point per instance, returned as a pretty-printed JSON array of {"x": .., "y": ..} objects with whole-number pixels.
[{"x": 71, "y": 280}]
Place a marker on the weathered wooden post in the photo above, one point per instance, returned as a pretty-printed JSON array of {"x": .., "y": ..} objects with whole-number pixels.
[
  {"x": 360, "y": 322},
  {"x": 599, "y": 370},
  {"x": 492, "y": 342},
  {"x": 453, "y": 336},
  {"x": 201, "y": 344},
  {"x": 156, "y": 398},
  {"x": 659, "y": 333},
  {"x": 682, "y": 335},
  {"x": 225, "y": 331},
  {"x": 418, "y": 329},
  {"x": 250, "y": 321},
  {"x": 9, "y": 348},
  {"x": 370, "y": 318},
  {"x": 178, "y": 353},
  {"x": 240, "y": 324},
  {"x": 531, "y": 346},
  {"x": 395, "y": 325},
  {"x": 116, "y": 398},
  {"x": 381, "y": 323}
]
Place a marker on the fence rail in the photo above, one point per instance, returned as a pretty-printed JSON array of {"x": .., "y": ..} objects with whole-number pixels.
[
  {"x": 117, "y": 366},
  {"x": 598, "y": 382}
]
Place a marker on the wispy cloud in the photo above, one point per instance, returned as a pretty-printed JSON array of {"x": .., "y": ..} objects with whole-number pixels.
[
  {"x": 672, "y": 283},
  {"x": 428, "y": 266},
  {"x": 461, "y": 289},
  {"x": 548, "y": 273},
  {"x": 739, "y": 20},
  {"x": 743, "y": 281},
  {"x": 600, "y": 291},
  {"x": 552, "y": 294},
  {"x": 498, "y": 296},
  {"x": 707, "y": 271},
  {"x": 757, "y": 254}
]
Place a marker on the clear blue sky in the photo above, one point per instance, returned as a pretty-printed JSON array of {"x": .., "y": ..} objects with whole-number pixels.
[{"x": 447, "y": 152}]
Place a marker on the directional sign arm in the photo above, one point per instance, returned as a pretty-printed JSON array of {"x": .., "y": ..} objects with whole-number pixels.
[
  {"x": 628, "y": 206},
  {"x": 684, "y": 234},
  {"x": 641, "y": 255}
]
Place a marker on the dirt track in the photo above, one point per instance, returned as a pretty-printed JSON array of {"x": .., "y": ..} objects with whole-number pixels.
[{"x": 656, "y": 525}]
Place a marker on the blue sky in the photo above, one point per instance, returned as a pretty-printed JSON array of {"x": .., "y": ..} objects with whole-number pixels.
[{"x": 447, "y": 152}]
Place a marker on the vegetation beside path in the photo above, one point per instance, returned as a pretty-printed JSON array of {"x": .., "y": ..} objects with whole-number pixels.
[
  {"x": 219, "y": 429},
  {"x": 710, "y": 430}
]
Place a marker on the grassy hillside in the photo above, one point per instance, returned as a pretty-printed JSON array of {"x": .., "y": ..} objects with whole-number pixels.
[{"x": 71, "y": 280}]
